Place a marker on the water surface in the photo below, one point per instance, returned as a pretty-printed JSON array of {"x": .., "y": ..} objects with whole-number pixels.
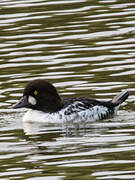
[{"x": 85, "y": 48}]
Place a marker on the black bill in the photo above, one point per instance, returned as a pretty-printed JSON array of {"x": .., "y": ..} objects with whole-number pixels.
[{"x": 22, "y": 103}]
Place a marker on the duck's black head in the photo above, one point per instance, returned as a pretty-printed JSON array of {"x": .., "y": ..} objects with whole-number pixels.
[{"x": 40, "y": 95}]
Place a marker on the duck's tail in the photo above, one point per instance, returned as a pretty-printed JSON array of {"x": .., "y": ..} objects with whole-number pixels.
[{"x": 120, "y": 98}]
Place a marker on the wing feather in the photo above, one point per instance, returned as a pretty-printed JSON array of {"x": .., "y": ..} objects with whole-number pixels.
[{"x": 89, "y": 109}]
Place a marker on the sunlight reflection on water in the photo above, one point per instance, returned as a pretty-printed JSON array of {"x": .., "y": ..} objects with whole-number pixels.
[{"x": 85, "y": 48}]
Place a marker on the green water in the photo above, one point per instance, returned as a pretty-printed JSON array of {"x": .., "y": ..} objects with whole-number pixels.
[{"x": 85, "y": 48}]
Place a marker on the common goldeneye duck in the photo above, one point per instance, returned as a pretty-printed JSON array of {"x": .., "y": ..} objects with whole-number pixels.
[{"x": 45, "y": 104}]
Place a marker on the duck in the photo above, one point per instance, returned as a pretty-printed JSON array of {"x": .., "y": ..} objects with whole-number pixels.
[{"x": 46, "y": 105}]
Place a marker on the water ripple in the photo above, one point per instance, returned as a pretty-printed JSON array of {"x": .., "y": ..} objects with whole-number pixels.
[{"x": 85, "y": 49}]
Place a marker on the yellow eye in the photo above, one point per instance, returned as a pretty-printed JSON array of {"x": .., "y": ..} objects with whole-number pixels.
[{"x": 35, "y": 93}]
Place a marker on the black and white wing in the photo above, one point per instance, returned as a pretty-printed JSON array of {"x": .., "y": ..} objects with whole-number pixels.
[{"x": 88, "y": 109}]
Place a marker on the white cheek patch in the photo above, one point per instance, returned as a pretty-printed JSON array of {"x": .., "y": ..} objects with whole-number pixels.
[{"x": 32, "y": 100}]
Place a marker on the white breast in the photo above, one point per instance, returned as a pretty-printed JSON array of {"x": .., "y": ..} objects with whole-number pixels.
[{"x": 39, "y": 116}]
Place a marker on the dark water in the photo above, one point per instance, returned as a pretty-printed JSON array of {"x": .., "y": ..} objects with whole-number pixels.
[{"x": 85, "y": 48}]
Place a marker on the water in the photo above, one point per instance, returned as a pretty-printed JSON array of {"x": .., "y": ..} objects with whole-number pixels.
[{"x": 85, "y": 48}]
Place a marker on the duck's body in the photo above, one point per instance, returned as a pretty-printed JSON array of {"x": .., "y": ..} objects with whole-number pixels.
[
  {"x": 74, "y": 109},
  {"x": 46, "y": 105}
]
